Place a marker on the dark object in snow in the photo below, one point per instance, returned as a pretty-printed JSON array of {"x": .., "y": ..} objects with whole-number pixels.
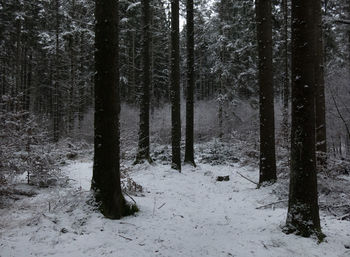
[
  {"x": 223, "y": 178},
  {"x": 64, "y": 230},
  {"x": 71, "y": 156},
  {"x": 48, "y": 182}
]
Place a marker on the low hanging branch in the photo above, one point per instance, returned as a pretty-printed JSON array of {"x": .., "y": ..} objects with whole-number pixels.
[
  {"x": 343, "y": 21},
  {"x": 339, "y": 113}
]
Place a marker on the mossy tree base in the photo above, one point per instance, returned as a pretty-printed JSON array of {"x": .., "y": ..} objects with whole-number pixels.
[
  {"x": 266, "y": 183},
  {"x": 303, "y": 220},
  {"x": 116, "y": 207},
  {"x": 190, "y": 162},
  {"x": 142, "y": 159},
  {"x": 304, "y": 232}
]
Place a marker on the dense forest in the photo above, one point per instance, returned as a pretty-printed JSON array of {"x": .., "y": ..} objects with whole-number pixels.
[{"x": 102, "y": 102}]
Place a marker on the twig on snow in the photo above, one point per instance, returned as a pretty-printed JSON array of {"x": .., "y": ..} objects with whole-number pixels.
[
  {"x": 154, "y": 206},
  {"x": 161, "y": 206},
  {"x": 129, "y": 239},
  {"x": 247, "y": 178},
  {"x": 130, "y": 197},
  {"x": 344, "y": 216},
  {"x": 331, "y": 211},
  {"x": 266, "y": 205},
  {"x": 126, "y": 223}
]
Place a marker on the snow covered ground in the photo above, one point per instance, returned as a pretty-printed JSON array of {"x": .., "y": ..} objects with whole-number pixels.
[{"x": 186, "y": 214}]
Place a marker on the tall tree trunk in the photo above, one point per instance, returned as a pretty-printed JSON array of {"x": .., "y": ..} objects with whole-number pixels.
[
  {"x": 320, "y": 102},
  {"x": 267, "y": 121},
  {"x": 303, "y": 211},
  {"x": 18, "y": 84},
  {"x": 29, "y": 84},
  {"x": 82, "y": 98},
  {"x": 285, "y": 57},
  {"x": 72, "y": 89},
  {"x": 56, "y": 108},
  {"x": 24, "y": 80},
  {"x": 106, "y": 169},
  {"x": 286, "y": 84},
  {"x": 144, "y": 144},
  {"x": 3, "y": 86},
  {"x": 348, "y": 34},
  {"x": 189, "y": 151},
  {"x": 175, "y": 87},
  {"x": 71, "y": 111}
]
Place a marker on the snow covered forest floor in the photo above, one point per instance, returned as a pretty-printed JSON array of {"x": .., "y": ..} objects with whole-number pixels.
[{"x": 181, "y": 214}]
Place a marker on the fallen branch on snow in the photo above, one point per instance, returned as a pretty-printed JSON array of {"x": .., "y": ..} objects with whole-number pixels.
[
  {"x": 129, "y": 239},
  {"x": 344, "y": 216},
  {"x": 129, "y": 196},
  {"x": 267, "y": 205},
  {"x": 247, "y": 178},
  {"x": 161, "y": 206}
]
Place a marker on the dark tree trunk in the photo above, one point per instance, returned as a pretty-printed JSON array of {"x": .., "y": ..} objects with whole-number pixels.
[
  {"x": 303, "y": 211},
  {"x": 286, "y": 87},
  {"x": 24, "y": 80},
  {"x": 106, "y": 170},
  {"x": 3, "y": 86},
  {"x": 267, "y": 121},
  {"x": 18, "y": 84},
  {"x": 286, "y": 82},
  {"x": 29, "y": 84},
  {"x": 189, "y": 151},
  {"x": 144, "y": 144},
  {"x": 348, "y": 35},
  {"x": 71, "y": 111},
  {"x": 56, "y": 105},
  {"x": 175, "y": 86},
  {"x": 320, "y": 102},
  {"x": 81, "y": 85}
]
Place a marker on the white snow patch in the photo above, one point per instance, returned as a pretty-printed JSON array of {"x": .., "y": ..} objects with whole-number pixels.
[{"x": 186, "y": 214}]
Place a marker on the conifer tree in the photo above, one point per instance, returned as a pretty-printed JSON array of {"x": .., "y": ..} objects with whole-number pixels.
[
  {"x": 303, "y": 211},
  {"x": 267, "y": 121},
  {"x": 189, "y": 151},
  {"x": 175, "y": 86},
  {"x": 144, "y": 144},
  {"x": 106, "y": 168}
]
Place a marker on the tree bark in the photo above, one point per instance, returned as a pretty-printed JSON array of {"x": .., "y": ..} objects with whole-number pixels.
[
  {"x": 286, "y": 82},
  {"x": 106, "y": 169},
  {"x": 267, "y": 121},
  {"x": 320, "y": 101},
  {"x": 56, "y": 105},
  {"x": 144, "y": 144},
  {"x": 189, "y": 151},
  {"x": 303, "y": 211},
  {"x": 175, "y": 86}
]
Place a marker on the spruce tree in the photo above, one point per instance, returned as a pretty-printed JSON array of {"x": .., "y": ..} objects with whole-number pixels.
[
  {"x": 265, "y": 78},
  {"x": 189, "y": 151},
  {"x": 144, "y": 144},
  {"x": 320, "y": 99},
  {"x": 106, "y": 168},
  {"x": 303, "y": 211},
  {"x": 175, "y": 87}
]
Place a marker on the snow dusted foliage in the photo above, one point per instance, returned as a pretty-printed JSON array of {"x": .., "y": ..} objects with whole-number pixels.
[
  {"x": 22, "y": 146},
  {"x": 338, "y": 115}
]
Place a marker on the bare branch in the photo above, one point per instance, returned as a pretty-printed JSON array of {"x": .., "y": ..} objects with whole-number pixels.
[{"x": 342, "y": 21}]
